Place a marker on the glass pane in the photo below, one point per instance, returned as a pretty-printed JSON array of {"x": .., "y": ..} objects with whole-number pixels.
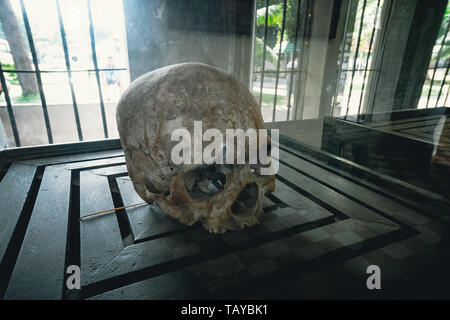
[
  {"x": 358, "y": 89},
  {"x": 56, "y": 88},
  {"x": 85, "y": 87},
  {"x": 46, "y": 35},
  {"x": 76, "y": 24},
  {"x": 19, "y": 40},
  {"x": 17, "y": 82},
  {"x": 109, "y": 29}
]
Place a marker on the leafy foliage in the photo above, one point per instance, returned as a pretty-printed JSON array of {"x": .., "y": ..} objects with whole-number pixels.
[
  {"x": 274, "y": 17},
  {"x": 275, "y": 20},
  {"x": 271, "y": 56},
  {"x": 11, "y": 76}
]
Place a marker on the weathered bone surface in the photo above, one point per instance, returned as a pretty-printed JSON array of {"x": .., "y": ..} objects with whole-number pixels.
[{"x": 222, "y": 197}]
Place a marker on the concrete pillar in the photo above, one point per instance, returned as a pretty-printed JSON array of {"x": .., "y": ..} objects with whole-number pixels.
[
  {"x": 330, "y": 69},
  {"x": 319, "y": 70},
  {"x": 402, "y": 54},
  {"x": 313, "y": 66}
]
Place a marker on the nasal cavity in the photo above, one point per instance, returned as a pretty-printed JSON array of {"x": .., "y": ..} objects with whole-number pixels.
[{"x": 246, "y": 200}]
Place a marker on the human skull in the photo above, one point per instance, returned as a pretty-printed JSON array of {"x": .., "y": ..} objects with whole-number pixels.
[{"x": 221, "y": 196}]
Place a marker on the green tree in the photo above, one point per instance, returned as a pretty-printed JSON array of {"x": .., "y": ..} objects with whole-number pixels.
[
  {"x": 259, "y": 51},
  {"x": 275, "y": 17}
]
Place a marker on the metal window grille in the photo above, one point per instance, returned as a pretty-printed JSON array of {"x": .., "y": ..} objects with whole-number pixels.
[
  {"x": 356, "y": 56},
  {"x": 438, "y": 69},
  {"x": 357, "y": 61},
  {"x": 68, "y": 71},
  {"x": 302, "y": 11}
]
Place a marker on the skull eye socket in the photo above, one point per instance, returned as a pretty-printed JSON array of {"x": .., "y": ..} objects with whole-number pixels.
[
  {"x": 205, "y": 181},
  {"x": 150, "y": 187},
  {"x": 246, "y": 200}
]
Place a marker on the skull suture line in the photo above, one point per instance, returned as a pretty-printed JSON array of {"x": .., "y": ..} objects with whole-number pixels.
[{"x": 221, "y": 196}]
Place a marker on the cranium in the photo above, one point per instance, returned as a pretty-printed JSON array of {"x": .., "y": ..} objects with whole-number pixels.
[{"x": 221, "y": 196}]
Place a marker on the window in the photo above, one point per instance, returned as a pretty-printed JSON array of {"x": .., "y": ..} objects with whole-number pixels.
[
  {"x": 63, "y": 71},
  {"x": 436, "y": 87},
  {"x": 356, "y": 59}
]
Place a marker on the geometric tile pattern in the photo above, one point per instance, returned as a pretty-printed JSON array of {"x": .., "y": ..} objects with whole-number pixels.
[{"x": 316, "y": 218}]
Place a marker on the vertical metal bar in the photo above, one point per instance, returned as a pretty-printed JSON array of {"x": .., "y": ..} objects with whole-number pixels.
[
  {"x": 264, "y": 54},
  {"x": 97, "y": 74},
  {"x": 12, "y": 119},
  {"x": 294, "y": 56},
  {"x": 446, "y": 96},
  {"x": 442, "y": 85},
  {"x": 437, "y": 62},
  {"x": 279, "y": 60},
  {"x": 341, "y": 59},
  {"x": 69, "y": 71},
  {"x": 368, "y": 56},
  {"x": 356, "y": 56},
  {"x": 252, "y": 53},
  {"x": 37, "y": 71}
]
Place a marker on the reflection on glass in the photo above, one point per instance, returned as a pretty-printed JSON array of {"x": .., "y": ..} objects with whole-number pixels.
[{"x": 356, "y": 63}]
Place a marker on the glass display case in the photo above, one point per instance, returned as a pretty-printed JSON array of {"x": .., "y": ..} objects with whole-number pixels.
[{"x": 354, "y": 94}]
